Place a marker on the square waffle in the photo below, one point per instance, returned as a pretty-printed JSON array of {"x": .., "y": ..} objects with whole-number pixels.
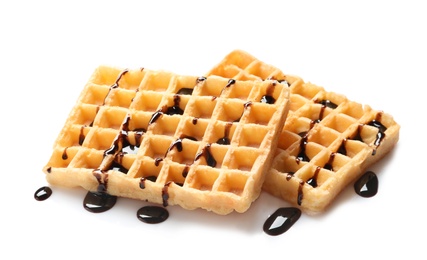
[
  {"x": 327, "y": 140},
  {"x": 197, "y": 142}
]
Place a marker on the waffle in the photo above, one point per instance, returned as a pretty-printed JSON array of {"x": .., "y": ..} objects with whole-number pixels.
[
  {"x": 197, "y": 142},
  {"x": 327, "y": 141}
]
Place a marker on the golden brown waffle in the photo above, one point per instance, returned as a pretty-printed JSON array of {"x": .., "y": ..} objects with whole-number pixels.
[
  {"x": 327, "y": 140},
  {"x": 197, "y": 142}
]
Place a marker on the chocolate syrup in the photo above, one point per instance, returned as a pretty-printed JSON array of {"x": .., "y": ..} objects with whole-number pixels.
[
  {"x": 115, "y": 147},
  {"x": 157, "y": 115},
  {"x": 229, "y": 84},
  {"x": 152, "y": 214},
  {"x": 115, "y": 84},
  {"x": 102, "y": 178},
  {"x": 64, "y": 154},
  {"x": 302, "y": 156},
  {"x": 225, "y": 139},
  {"x": 165, "y": 193},
  {"x": 313, "y": 180},
  {"x": 245, "y": 106},
  {"x": 380, "y": 135},
  {"x": 97, "y": 202},
  {"x": 42, "y": 193},
  {"x": 268, "y": 97},
  {"x": 328, "y": 103},
  {"x": 175, "y": 109},
  {"x": 328, "y": 165},
  {"x": 116, "y": 165},
  {"x": 206, "y": 152},
  {"x": 157, "y": 161},
  {"x": 367, "y": 185},
  {"x": 324, "y": 104},
  {"x": 287, "y": 216}
]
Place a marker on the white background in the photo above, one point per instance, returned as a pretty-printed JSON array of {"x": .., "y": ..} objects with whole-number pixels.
[{"x": 374, "y": 52}]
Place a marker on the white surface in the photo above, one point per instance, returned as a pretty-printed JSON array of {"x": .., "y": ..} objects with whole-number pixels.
[{"x": 375, "y": 53}]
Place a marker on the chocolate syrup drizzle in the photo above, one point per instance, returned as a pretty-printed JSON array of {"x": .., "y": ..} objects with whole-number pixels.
[
  {"x": 226, "y": 138},
  {"x": 206, "y": 152},
  {"x": 229, "y": 84},
  {"x": 115, "y": 84}
]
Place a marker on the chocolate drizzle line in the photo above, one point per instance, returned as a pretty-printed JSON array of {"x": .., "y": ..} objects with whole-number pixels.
[
  {"x": 379, "y": 136},
  {"x": 268, "y": 97},
  {"x": 116, "y": 84},
  {"x": 206, "y": 152},
  {"x": 165, "y": 193},
  {"x": 229, "y": 84}
]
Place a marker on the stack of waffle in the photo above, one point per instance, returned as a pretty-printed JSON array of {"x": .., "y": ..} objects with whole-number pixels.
[{"x": 215, "y": 141}]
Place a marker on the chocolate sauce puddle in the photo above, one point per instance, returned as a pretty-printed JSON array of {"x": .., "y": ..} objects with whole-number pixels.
[
  {"x": 42, "y": 193},
  {"x": 97, "y": 202},
  {"x": 152, "y": 214},
  {"x": 367, "y": 185},
  {"x": 281, "y": 220}
]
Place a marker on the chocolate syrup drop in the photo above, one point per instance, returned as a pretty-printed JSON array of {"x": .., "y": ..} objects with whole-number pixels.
[
  {"x": 97, "y": 202},
  {"x": 367, "y": 185},
  {"x": 287, "y": 218},
  {"x": 152, "y": 214},
  {"x": 42, "y": 193}
]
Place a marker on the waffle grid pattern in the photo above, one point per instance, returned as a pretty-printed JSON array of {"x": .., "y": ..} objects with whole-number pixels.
[
  {"x": 198, "y": 142},
  {"x": 326, "y": 142}
]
